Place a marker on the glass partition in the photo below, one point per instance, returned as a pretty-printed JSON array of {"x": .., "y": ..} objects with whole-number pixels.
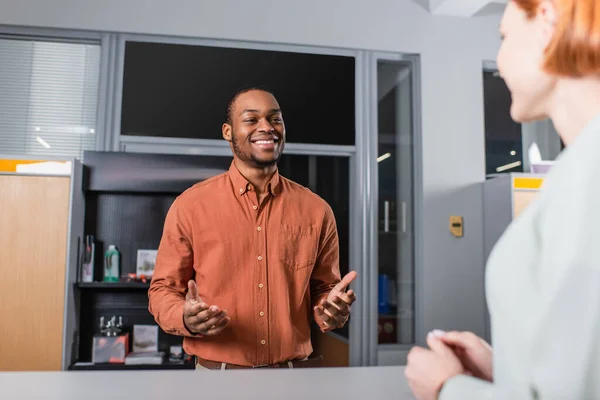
[{"x": 395, "y": 252}]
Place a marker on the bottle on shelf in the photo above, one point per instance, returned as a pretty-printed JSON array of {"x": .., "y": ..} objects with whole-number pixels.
[
  {"x": 112, "y": 264},
  {"x": 88, "y": 257},
  {"x": 383, "y": 294}
]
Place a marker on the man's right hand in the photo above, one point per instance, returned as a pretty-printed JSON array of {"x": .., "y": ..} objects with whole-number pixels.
[{"x": 199, "y": 318}]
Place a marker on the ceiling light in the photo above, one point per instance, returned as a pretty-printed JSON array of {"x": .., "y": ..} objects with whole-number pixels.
[
  {"x": 384, "y": 157},
  {"x": 508, "y": 166},
  {"x": 42, "y": 142}
]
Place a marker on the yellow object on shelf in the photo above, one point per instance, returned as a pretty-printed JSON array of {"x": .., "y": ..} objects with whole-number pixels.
[
  {"x": 44, "y": 167},
  {"x": 527, "y": 183},
  {"x": 11, "y": 165}
]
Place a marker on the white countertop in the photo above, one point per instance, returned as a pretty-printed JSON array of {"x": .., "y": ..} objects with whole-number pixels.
[{"x": 371, "y": 383}]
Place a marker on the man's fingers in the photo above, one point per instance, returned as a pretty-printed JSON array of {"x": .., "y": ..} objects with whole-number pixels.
[
  {"x": 192, "y": 308},
  {"x": 201, "y": 318},
  {"x": 207, "y": 313},
  {"x": 338, "y": 302},
  {"x": 321, "y": 313},
  {"x": 345, "y": 298},
  {"x": 346, "y": 281},
  {"x": 192, "y": 293},
  {"x": 206, "y": 324},
  {"x": 331, "y": 310},
  {"x": 212, "y": 322},
  {"x": 218, "y": 328},
  {"x": 324, "y": 317},
  {"x": 351, "y": 295},
  {"x": 339, "y": 308}
]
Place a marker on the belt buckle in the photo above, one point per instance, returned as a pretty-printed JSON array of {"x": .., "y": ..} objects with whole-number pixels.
[{"x": 260, "y": 366}]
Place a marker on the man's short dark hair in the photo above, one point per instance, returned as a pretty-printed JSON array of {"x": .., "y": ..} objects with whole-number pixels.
[{"x": 241, "y": 91}]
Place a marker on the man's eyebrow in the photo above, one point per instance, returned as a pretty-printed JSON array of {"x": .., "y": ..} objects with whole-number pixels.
[{"x": 251, "y": 110}]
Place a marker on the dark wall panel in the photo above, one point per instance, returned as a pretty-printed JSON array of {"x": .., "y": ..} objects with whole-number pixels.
[
  {"x": 174, "y": 90},
  {"x": 502, "y": 134}
]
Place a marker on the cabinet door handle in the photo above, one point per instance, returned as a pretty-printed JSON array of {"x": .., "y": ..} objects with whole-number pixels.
[
  {"x": 386, "y": 216},
  {"x": 403, "y": 217}
]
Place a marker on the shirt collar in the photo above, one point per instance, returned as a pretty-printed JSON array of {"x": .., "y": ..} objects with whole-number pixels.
[{"x": 241, "y": 184}]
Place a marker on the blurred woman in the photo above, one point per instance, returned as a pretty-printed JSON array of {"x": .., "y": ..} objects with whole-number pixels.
[{"x": 543, "y": 276}]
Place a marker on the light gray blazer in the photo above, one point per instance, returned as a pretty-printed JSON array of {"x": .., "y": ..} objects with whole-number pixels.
[{"x": 543, "y": 289}]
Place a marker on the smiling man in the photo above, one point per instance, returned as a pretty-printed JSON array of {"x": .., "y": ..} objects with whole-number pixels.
[{"x": 248, "y": 257}]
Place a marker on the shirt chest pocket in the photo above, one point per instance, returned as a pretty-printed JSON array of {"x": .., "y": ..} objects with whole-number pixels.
[{"x": 298, "y": 246}]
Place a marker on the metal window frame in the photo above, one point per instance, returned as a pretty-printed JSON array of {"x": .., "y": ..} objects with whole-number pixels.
[
  {"x": 122, "y": 39},
  {"x": 361, "y": 353},
  {"x": 76, "y": 200},
  {"x": 489, "y": 66},
  {"x": 370, "y": 201},
  {"x": 104, "y": 40},
  {"x": 163, "y": 145}
]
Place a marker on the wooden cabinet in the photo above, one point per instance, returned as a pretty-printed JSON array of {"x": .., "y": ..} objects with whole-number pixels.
[{"x": 34, "y": 259}]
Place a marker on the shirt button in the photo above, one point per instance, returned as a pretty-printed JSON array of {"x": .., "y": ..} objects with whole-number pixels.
[
  {"x": 255, "y": 207},
  {"x": 241, "y": 190},
  {"x": 259, "y": 258},
  {"x": 263, "y": 342},
  {"x": 258, "y": 228},
  {"x": 261, "y": 313},
  {"x": 260, "y": 285}
]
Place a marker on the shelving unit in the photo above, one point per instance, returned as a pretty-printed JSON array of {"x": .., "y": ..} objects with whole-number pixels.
[{"x": 127, "y": 197}]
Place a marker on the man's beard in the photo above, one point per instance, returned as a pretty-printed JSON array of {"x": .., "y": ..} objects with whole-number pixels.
[{"x": 252, "y": 158}]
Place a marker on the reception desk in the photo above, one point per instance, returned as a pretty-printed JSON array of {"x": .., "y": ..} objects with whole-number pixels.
[{"x": 371, "y": 383}]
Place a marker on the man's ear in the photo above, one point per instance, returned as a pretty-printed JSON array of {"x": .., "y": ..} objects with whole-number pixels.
[{"x": 226, "y": 129}]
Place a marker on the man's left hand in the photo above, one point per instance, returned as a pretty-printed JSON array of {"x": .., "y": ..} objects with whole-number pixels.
[{"x": 333, "y": 312}]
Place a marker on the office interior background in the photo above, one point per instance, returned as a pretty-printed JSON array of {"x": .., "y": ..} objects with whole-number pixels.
[{"x": 394, "y": 111}]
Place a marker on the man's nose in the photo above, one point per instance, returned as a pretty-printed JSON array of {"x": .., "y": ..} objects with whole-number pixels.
[{"x": 265, "y": 126}]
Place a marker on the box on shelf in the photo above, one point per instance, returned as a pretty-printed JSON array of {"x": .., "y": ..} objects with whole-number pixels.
[{"x": 110, "y": 349}]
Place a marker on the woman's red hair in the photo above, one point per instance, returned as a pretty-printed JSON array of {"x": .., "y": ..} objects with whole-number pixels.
[{"x": 575, "y": 48}]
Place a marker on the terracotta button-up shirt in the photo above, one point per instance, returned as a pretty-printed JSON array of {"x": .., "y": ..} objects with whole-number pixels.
[{"x": 266, "y": 264}]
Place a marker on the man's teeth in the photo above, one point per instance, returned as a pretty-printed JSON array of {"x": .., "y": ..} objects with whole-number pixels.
[{"x": 271, "y": 141}]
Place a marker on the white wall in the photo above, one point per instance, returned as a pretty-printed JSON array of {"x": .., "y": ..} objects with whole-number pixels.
[{"x": 452, "y": 51}]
